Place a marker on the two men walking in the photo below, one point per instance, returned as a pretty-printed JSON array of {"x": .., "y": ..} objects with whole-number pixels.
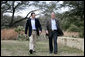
[{"x": 52, "y": 30}]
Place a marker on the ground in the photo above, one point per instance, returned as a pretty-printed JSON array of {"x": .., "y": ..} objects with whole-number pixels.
[{"x": 21, "y": 48}]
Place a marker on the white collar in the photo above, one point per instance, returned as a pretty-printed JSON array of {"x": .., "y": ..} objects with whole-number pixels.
[{"x": 52, "y": 19}]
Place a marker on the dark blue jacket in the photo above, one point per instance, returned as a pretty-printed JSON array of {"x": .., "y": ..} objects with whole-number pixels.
[{"x": 37, "y": 25}]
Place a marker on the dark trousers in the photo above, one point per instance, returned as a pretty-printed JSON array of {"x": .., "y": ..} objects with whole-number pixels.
[{"x": 53, "y": 36}]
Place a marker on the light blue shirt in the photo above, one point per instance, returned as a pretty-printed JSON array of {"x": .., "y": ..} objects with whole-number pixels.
[
  {"x": 53, "y": 24},
  {"x": 33, "y": 24}
]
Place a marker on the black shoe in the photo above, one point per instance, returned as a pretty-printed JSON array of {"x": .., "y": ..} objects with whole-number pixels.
[
  {"x": 34, "y": 51},
  {"x": 55, "y": 52},
  {"x": 31, "y": 51},
  {"x": 50, "y": 52}
]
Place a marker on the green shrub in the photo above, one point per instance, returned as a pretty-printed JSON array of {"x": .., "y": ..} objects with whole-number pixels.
[
  {"x": 21, "y": 36},
  {"x": 73, "y": 28},
  {"x": 19, "y": 29},
  {"x": 81, "y": 33}
]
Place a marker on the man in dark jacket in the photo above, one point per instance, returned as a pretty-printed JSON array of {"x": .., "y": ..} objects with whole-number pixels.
[
  {"x": 53, "y": 30},
  {"x": 34, "y": 29}
]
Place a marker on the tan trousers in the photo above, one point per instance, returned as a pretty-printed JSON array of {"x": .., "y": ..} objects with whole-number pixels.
[{"x": 32, "y": 41}]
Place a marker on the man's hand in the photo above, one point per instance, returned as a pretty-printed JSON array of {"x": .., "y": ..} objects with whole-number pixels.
[
  {"x": 40, "y": 32},
  {"x": 25, "y": 35},
  {"x": 46, "y": 31}
]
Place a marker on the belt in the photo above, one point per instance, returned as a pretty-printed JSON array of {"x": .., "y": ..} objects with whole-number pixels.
[
  {"x": 54, "y": 30},
  {"x": 33, "y": 30}
]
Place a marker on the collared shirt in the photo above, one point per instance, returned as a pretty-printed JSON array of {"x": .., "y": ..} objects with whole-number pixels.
[
  {"x": 33, "y": 24},
  {"x": 53, "y": 24}
]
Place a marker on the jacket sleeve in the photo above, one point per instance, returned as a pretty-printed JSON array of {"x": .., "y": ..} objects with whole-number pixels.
[
  {"x": 59, "y": 31},
  {"x": 58, "y": 23},
  {"x": 26, "y": 27}
]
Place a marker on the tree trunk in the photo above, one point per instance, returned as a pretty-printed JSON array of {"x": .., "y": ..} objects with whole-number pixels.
[{"x": 12, "y": 19}]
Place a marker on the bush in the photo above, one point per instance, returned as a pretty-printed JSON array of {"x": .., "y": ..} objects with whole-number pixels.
[
  {"x": 73, "y": 28},
  {"x": 81, "y": 33},
  {"x": 9, "y": 34},
  {"x": 22, "y": 37},
  {"x": 20, "y": 30}
]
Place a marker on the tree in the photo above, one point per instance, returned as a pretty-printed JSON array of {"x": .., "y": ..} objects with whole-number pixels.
[
  {"x": 13, "y": 7},
  {"x": 75, "y": 16}
]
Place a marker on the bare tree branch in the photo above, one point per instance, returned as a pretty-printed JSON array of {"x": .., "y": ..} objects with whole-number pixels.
[
  {"x": 18, "y": 5},
  {"x": 25, "y": 17},
  {"x": 31, "y": 11}
]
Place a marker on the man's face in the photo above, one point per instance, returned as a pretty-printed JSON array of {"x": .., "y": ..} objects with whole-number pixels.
[
  {"x": 33, "y": 15},
  {"x": 52, "y": 15}
]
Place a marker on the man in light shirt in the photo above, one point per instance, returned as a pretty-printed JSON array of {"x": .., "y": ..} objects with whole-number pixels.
[
  {"x": 34, "y": 29},
  {"x": 53, "y": 30}
]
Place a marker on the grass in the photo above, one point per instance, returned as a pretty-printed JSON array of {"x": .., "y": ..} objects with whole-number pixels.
[{"x": 21, "y": 48}]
